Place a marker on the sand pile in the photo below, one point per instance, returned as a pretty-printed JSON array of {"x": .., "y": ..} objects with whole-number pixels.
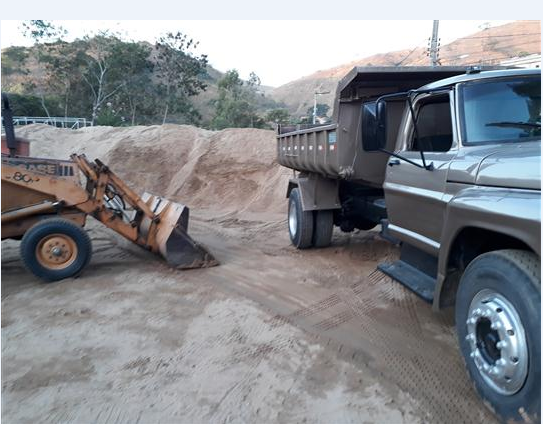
[{"x": 233, "y": 170}]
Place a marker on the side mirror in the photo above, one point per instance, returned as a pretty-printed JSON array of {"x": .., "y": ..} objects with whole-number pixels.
[
  {"x": 381, "y": 127},
  {"x": 374, "y": 122},
  {"x": 373, "y": 132}
]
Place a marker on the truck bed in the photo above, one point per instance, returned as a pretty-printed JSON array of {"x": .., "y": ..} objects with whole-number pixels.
[
  {"x": 311, "y": 150},
  {"x": 336, "y": 150}
]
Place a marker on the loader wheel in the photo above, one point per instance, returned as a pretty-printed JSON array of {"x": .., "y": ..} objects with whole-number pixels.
[
  {"x": 55, "y": 249},
  {"x": 300, "y": 222},
  {"x": 324, "y": 227},
  {"x": 498, "y": 320}
]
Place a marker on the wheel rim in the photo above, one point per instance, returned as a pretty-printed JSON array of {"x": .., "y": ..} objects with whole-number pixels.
[
  {"x": 497, "y": 342},
  {"x": 56, "y": 251},
  {"x": 292, "y": 219}
]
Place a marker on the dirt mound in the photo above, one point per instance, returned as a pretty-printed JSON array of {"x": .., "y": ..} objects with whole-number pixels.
[
  {"x": 233, "y": 170},
  {"x": 236, "y": 171}
]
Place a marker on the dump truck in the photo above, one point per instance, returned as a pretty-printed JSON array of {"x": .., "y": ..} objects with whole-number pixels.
[
  {"x": 45, "y": 205},
  {"x": 447, "y": 161}
]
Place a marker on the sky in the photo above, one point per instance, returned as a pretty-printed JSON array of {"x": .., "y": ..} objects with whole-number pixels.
[{"x": 277, "y": 51}]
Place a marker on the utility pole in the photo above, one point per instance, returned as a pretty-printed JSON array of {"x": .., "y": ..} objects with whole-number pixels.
[
  {"x": 434, "y": 45},
  {"x": 315, "y": 104}
]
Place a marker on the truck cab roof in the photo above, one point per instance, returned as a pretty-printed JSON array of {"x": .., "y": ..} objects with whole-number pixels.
[
  {"x": 480, "y": 75},
  {"x": 364, "y": 83}
]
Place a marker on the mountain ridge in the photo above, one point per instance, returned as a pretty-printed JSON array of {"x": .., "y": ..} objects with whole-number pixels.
[{"x": 486, "y": 47}]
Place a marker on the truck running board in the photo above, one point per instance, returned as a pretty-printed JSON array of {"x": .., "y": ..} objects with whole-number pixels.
[{"x": 414, "y": 279}]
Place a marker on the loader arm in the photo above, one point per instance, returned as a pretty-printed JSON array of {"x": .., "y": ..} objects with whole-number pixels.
[
  {"x": 71, "y": 194},
  {"x": 154, "y": 223}
]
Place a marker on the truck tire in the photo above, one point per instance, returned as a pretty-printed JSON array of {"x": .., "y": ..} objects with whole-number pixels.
[
  {"x": 324, "y": 227},
  {"x": 55, "y": 249},
  {"x": 300, "y": 222},
  {"x": 498, "y": 321}
]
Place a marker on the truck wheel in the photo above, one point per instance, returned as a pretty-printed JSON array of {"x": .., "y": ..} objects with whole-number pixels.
[
  {"x": 55, "y": 249},
  {"x": 498, "y": 321},
  {"x": 300, "y": 222},
  {"x": 324, "y": 227}
]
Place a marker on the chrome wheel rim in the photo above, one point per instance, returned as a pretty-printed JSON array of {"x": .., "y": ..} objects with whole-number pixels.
[
  {"x": 497, "y": 342},
  {"x": 292, "y": 219}
]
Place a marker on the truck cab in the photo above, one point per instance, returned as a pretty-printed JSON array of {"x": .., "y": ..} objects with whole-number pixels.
[
  {"x": 451, "y": 169},
  {"x": 480, "y": 136}
]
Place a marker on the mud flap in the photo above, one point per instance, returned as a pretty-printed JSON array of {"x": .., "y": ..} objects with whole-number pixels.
[{"x": 172, "y": 239}]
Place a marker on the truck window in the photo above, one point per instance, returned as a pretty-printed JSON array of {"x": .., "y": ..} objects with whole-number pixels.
[
  {"x": 434, "y": 126},
  {"x": 501, "y": 111}
]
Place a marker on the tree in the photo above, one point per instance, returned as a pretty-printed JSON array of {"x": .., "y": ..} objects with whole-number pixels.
[
  {"x": 254, "y": 81},
  {"x": 180, "y": 70},
  {"x": 235, "y": 106},
  {"x": 28, "y": 105},
  {"x": 133, "y": 69},
  {"x": 278, "y": 116},
  {"x": 64, "y": 64},
  {"x": 42, "y": 31},
  {"x": 102, "y": 75},
  {"x": 322, "y": 110},
  {"x": 109, "y": 116},
  {"x": 14, "y": 60}
]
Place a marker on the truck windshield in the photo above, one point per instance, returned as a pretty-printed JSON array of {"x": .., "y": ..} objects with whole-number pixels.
[{"x": 507, "y": 110}]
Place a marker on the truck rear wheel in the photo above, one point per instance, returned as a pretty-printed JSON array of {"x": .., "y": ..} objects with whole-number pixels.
[
  {"x": 55, "y": 249},
  {"x": 324, "y": 227},
  {"x": 498, "y": 321},
  {"x": 300, "y": 222}
]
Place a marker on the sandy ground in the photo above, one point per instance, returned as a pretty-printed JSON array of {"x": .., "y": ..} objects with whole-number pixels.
[{"x": 273, "y": 334}]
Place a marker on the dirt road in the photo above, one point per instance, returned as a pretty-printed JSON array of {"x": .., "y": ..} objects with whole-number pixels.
[{"x": 271, "y": 335}]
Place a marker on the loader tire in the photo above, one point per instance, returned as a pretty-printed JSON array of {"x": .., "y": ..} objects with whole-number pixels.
[
  {"x": 324, "y": 227},
  {"x": 55, "y": 249},
  {"x": 498, "y": 320},
  {"x": 300, "y": 222}
]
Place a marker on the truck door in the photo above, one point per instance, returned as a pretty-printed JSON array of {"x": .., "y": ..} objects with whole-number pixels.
[{"x": 415, "y": 196}]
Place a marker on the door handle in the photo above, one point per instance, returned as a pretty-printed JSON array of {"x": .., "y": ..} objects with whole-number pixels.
[{"x": 394, "y": 162}]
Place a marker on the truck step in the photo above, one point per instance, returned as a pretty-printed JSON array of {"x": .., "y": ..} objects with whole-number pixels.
[
  {"x": 385, "y": 233},
  {"x": 414, "y": 279}
]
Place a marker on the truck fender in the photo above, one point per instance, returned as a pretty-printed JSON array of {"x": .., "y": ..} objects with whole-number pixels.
[
  {"x": 492, "y": 209},
  {"x": 316, "y": 192}
]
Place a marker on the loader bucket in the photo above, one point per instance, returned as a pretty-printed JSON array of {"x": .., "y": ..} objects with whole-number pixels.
[{"x": 172, "y": 240}]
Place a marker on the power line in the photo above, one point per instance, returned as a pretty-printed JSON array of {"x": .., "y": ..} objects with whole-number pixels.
[
  {"x": 410, "y": 53},
  {"x": 506, "y": 46},
  {"x": 499, "y": 36}
]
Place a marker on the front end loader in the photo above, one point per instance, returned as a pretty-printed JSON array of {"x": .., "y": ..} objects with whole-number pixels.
[{"x": 45, "y": 205}]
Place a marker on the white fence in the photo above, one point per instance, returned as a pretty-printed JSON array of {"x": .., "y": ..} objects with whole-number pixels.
[{"x": 55, "y": 121}]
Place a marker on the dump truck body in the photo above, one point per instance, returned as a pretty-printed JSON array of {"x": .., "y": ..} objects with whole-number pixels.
[{"x": 336, "y": 150}]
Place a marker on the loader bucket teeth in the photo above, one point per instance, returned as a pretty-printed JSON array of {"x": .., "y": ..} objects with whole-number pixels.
[
  {"x": 182, "y": 252},
  {"x": 172, "y": 239}
]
